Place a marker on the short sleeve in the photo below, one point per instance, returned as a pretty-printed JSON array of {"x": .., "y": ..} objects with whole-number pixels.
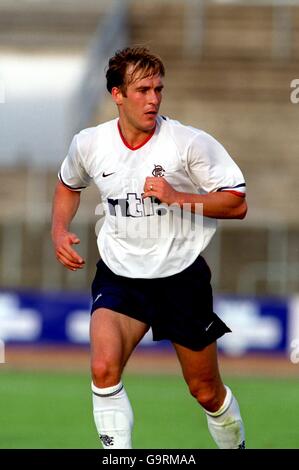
[
  {"x": 72, "y": 172},
  {"x": 211, "y": 168}
]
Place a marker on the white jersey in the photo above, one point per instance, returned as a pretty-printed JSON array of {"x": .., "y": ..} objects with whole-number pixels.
[{"x": 144, "y": 238}]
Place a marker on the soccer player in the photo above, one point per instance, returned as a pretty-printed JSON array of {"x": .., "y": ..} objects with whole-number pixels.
[{"x": 163, "y": 185}]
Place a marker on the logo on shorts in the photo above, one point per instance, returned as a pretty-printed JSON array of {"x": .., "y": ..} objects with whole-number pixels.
[
  {"x": 158, "y": 171},
  {"x": 206, "y": 329},
  {"x": 97, "y": 297},
  {"x": 107, "y": 440}
]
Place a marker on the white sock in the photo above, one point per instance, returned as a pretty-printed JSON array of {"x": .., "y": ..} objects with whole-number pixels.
[
  {"x": 226, "y": 425},
  {"x": 113, "y": 416}
]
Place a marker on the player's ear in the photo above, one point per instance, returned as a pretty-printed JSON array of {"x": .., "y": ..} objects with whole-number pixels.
[{"x": 117, "y": 95}]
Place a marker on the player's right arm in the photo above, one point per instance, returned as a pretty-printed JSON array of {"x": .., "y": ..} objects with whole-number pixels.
[
  {"x": 73, "y": 177},
  {"x": 65, "y": 206}
]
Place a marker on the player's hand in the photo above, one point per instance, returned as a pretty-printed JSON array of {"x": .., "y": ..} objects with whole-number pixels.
[
  {"x": 161, "y": 189},
  {"x": 64, "y": 252}
]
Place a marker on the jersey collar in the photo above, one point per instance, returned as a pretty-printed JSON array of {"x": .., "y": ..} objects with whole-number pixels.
[{"x": 138, "y": 146}]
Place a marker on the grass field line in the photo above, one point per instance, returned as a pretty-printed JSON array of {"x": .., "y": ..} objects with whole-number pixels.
[{"x": 53, "y": 410}]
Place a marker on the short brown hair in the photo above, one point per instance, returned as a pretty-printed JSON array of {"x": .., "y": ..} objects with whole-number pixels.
[{"x": 140, "y": 58}]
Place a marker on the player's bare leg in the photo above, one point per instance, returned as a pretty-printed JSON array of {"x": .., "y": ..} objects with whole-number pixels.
[
  {"x": 201, "y": 372},
  {"x": 113, "y": 338}
]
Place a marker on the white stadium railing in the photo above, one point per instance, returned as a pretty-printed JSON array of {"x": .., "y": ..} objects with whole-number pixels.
[{"x": 281, "y": 19}]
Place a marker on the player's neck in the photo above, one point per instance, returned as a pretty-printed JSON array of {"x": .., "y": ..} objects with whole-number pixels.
[{"x": 132, "y": 137}]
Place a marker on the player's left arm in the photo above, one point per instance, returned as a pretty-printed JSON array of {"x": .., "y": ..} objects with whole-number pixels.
[
  {"x": 218, "y": 204},
  {"x": 219, "y": 185}
]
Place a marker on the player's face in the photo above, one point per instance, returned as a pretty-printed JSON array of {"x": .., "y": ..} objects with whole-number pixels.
[{"x": 140, "y": 107}]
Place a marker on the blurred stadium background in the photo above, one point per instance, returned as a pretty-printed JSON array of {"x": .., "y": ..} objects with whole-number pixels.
[{"x": 229, "y": 68}]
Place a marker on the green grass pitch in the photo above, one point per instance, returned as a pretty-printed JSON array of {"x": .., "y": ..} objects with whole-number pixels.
[{"x": 47, "y": 410}]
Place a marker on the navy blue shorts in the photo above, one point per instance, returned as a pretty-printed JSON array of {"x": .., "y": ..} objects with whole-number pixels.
[{"x": 178, "y": 308}]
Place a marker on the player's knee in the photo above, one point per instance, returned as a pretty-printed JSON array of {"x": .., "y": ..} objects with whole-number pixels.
[
  {"x": 105, "y": 373},
  {"x": 207, "y": 395}
]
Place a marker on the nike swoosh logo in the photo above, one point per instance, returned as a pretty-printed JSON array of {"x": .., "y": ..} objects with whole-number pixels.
[
  {"x": 206, "y": 329},
  {"x": 107, "y": 174},
  {"x": 97, "y": 297}
]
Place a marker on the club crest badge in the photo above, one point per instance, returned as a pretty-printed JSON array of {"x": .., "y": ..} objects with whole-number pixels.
[{"x": 158, "y": 171}]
